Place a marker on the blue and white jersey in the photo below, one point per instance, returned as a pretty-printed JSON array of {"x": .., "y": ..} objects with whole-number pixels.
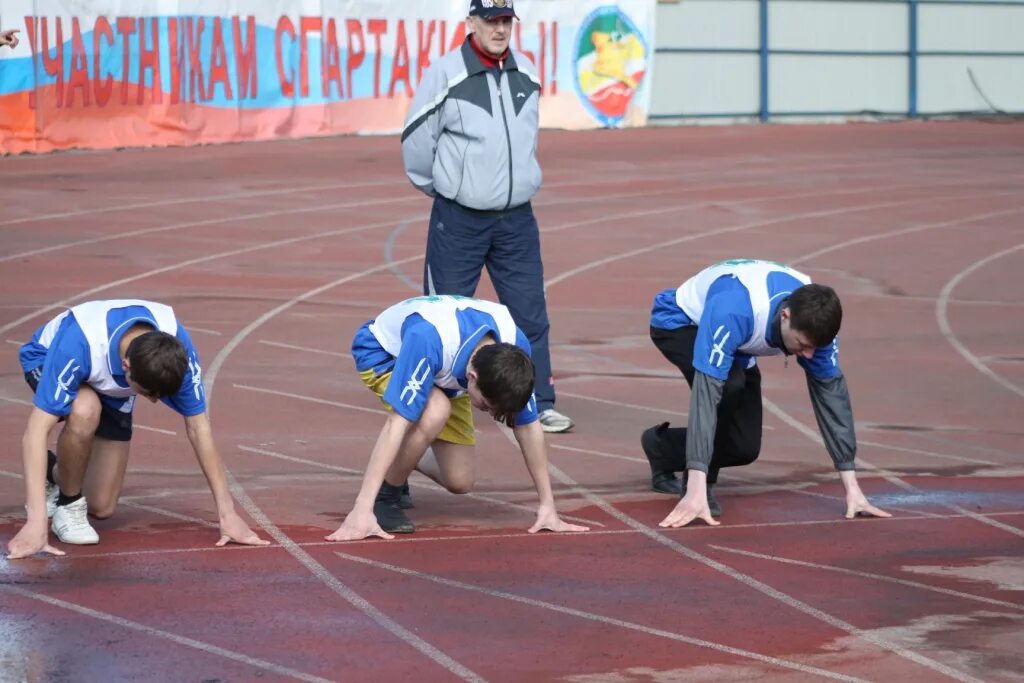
[
  {"x": 426, "y": 342},
  {"x": 81, "y": 346},
  {"x": 733, "y": 304}
]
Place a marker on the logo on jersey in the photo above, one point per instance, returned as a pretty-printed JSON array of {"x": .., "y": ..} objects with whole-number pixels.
[
  {"x": 415, "y": 383},
  {"x": 717, "y": 349},
  {"x": 197, "y": 377},
  {"x": 64, "y": 380}
]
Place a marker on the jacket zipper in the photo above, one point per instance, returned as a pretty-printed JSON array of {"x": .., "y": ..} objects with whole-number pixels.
[{"x": 508, "y": 139}]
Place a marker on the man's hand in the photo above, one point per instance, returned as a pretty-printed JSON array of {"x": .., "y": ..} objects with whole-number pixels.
[
  {"x": 694, "y": 505},
  {"x": 10, "y": 38},
  {"x": 357, "y": 526},
  {"x": 856, "y": 502},
  {"x": 233, "y": 529},
  {"x": 33, "y": 538},
  {"x": 858, "y": 505},
  {"x": 547, "y": 518}
]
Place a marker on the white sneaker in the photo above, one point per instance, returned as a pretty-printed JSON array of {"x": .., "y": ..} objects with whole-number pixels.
[
  {"x": 554, "y": 422},
  {"x": 71, "y": 524},
  {"x": 52, "y": 491}
]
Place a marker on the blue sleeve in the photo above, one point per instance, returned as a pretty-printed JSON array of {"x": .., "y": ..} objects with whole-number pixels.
[
  {"x": 726, "y": 323},
  {"x": 412, "y": 378},
  {"x": 824, "y": 364},
  {"x": 191, "y": 397},
  {"x": 68, "y": 364},
  {"x": 529, "y": 413}
]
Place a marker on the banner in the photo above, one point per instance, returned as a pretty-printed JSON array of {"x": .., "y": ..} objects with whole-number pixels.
[{"x": 115, "y": 73}]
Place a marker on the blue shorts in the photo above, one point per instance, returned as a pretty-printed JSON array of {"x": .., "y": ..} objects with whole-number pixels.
[{"x": 114, "y": 425}]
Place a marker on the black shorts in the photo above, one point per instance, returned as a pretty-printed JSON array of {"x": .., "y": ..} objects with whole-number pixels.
[{"x": 114, "y": 425}]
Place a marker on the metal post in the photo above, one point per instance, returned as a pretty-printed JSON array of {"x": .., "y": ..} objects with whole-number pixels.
[
  {"x": 765, "y": 114},
  {"x": 912, "y": 59}
]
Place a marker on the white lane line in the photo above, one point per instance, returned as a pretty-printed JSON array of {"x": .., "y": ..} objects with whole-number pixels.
[
  {"x": 311, "y": 399},
  {"x": 424, "y": 482},
  {"x": 873, "y": 577},
  {"x": 931, "y": 454},
  {"x": 656, "y": 535},
  {"x": 889, "y": 476},
  {"x": 304, "y": 349},
  {"x": 456, "y": 537},
  {"x": 942, "y": 316},
  {"x": 611, "y": 621},
  {"x": 165, "y": 635},
  {"x": 204, "y": 330},
  {"x": 603, "y": 454}
]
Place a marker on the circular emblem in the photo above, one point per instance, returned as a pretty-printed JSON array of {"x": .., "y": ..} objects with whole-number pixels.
[{"x": 611, "y": 60}]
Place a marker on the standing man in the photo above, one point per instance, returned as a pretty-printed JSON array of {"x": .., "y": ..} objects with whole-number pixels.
[
  {"x": 86, "y": 366},
  {"x": 713, "y": 328},
  {"x": 470, "y": 142}
]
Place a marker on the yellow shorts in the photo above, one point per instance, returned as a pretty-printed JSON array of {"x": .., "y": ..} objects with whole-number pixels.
[{"x": 459, "y": 427}]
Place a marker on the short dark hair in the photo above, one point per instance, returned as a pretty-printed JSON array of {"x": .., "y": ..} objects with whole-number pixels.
[
  {"x": 505, "y": 378},
  {"x": 815, "y": 310},
  {"x": 158, "y": 362}
]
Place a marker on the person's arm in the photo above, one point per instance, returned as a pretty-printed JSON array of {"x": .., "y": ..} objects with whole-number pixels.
[
  {"x": 361, "y": 522},
  {"x": 33, "y": 537},
  {"x": 531, "y": 442},
  {"x": 423, "y": 127},
  {"x": 232, "y": 527},
  {"x": 705, "y": 396},
  {"x": 830, "y": 398}
]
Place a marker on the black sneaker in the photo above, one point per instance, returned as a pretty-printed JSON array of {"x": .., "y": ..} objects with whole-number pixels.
[
  {"x": 405, "y": 500},
  {"x": 388, "y": 511},
  {"x": 662, "y": 481},
  {"x": 716, "y": 509}
]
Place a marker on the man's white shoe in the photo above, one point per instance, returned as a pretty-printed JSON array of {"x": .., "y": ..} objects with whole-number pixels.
[
  {"x": 71, "y": 524},
  {"x": 52, "y": 492},
  {"x": 554, "y": 422}
]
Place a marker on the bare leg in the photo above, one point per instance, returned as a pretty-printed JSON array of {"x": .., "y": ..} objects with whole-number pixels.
[
  {"x": 105, "y": 476},
  {"x": 74, "y": 445},
  {"x": 451, "y": 465}
]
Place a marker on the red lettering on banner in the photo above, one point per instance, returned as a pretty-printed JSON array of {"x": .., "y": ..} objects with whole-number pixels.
[
  {"x": 330, "y": 66},
  {"x": 355, "y": 56},
  {"x": 284, "y": 25},
  {"x": 79, "y": 67},
  {"x": 149, "y": 60},
  {"x": 101, "y": 86},
  {"x": 423, "y": 41},
  {"x": 219, "y": 62},
  {"x": 378, "y": 27},
  {"x": 176, "y": 53},
  {"x": 554, "y": 57},
  {"x": 458, "y": 38},
  {"x": 245, "y": 57},
  {"x": 400, "y": 62},
  {"x": 307, "y": 25},
  {"x": 193, "y": 41},
  {"x": 54, "y": 67},
  {"x": 519, "y": 44},
  {"x": 32, "y": 29},
  {"x": 126, "y": 27}
]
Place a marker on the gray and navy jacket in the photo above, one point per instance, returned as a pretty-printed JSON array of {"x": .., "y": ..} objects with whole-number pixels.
[{"x": 471, "y": 133}]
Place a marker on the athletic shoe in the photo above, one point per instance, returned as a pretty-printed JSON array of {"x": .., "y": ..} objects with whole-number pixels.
[
  {"x": 71, "y": 524},
  {"x": 554, "y": 422},
  {"x": 716, "y": 509},
  {"x": 405, "y": 500},
  {"x": 388, "y": 511},
  {"x": 52, "y": 493},
  {"x": 662, "y": 481}
]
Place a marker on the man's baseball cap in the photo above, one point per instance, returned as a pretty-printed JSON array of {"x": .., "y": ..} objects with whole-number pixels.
[{"x": 489, "y": 9}]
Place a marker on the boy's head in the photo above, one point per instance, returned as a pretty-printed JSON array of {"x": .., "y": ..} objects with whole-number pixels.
[
  {"x": 811, "y": 319},
  {"x": 501, "y": 380},
  {"x": 156, "y": 364}
]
